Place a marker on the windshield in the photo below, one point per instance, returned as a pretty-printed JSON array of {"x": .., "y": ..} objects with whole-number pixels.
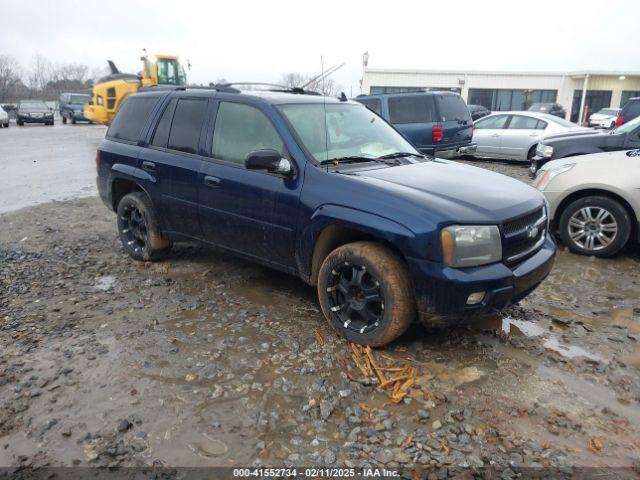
[
  {"x": 629, "y": 126},
  {"x": 608, "y": 111},
  {"x": 170, "y": 72},
  {"x": 32, "y": 105},
  {"x": 351, "y": 130},
  {"x": 79, "y": 99}
]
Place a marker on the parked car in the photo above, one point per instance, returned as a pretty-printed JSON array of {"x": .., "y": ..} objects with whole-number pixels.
[
  {"x": 478, "y": 111},
  {"x": 515, "y": 135},
  {"x": 4, "y": 118},
  {"x": 436, "y": 123},
  {"x": 590, "y": 141},
  {"x": 604, "y": 118},
  {"x": 629, "y": 111},
  {"x": 594, "y": 200},
  {"x": 551, "y": 108},
  {"x": 33, "y": 111},
  {"x": 327, "y": 190},
  {"x": 71, "y": 107}
]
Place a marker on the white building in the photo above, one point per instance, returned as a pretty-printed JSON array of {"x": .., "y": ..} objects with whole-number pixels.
[{"x": 499, "y": 91}]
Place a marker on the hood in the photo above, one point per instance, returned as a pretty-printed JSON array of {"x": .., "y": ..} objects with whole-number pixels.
[{"x": 458, "y": 192}]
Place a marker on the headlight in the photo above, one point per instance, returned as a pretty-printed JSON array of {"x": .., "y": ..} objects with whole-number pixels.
[
  {"x": 544, "y": 177},
  {"x": 471, "y": 245},
  {"x": 543, "y": 150}
]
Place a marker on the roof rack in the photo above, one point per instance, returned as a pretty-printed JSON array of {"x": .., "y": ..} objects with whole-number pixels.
[{"x": 275, "y": 87}]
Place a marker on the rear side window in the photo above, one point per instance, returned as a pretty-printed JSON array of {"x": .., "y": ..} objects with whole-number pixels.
[
  {"x": 186, "y": 125},
  {"x": 412, "y": 109},
  {"x": 492, "y": 123},
  {"x": 452, "y": 107},
  {"x": 131, "y": 118},
  {"x": 161, "y": 135},
  {"x": 373, "y": 104},
  {"x": 519, "y": 122},
  {"x": 241, "y": 129}
]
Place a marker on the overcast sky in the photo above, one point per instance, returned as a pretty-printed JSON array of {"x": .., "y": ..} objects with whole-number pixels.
[{"x": 260, "y": 40}]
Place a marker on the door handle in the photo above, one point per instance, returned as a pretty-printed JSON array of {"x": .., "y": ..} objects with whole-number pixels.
[
  {"x": 210, "y": 181},
  {"x": 495, "y": 135},
  {"x": 149, "y": 166}
]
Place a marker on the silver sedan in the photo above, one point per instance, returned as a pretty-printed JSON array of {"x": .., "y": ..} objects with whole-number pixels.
[
  {"x": 594, "y": 200},
  {"x": 514, "y": 135}
]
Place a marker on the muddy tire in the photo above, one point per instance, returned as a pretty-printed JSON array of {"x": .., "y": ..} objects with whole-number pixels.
[
  {"x": 139, "y": 228},
  {"x": 595, "y": 225},
  {"x": 366, "y": 293}
]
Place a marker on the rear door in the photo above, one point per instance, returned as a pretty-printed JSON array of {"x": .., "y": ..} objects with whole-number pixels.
[
  {"x": 521, "y": 132},
  {"x": 414, "y": 117},
  {"x": 488, "y": 135},
  {"x": 455, "y": 119},
  {"x": 174, "y": 159}
]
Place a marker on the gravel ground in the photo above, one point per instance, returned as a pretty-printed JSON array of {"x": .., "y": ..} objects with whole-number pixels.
[{"x": 206, "y": 360}]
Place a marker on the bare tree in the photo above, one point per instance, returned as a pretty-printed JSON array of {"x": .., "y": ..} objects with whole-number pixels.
[
  {"x": 327, "y": 87},
  {"x": 41, "y": 70},
  {"x": 9, "y": 77}
]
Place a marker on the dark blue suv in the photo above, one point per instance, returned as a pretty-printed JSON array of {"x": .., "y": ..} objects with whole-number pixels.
[
  {"x": 326, "y": 190},
  {"x": 436, "y": 123}
]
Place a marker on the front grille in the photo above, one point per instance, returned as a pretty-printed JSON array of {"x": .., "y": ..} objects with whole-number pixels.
[{"x": 523, "y": 236}]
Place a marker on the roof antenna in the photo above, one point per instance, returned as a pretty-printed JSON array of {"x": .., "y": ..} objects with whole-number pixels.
[{"x": 324, "y": 105}]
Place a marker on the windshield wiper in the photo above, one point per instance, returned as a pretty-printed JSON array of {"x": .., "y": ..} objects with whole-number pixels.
[
  {"x": 349, "y": 159},
  {"x": 391, "y": 156}
]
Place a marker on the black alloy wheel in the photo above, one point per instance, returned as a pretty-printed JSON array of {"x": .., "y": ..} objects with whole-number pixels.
[{"x": 355, "y": 297}]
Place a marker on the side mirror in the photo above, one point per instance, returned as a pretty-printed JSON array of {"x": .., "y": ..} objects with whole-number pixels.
[{"x": 269, "y": 160}]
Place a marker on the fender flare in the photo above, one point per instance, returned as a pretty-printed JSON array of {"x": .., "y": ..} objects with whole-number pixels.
[
  {"x": 121, "y": 171},
  {"x": 370, "y": 224}
]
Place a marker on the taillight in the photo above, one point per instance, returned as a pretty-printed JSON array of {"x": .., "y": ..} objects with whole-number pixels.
[
  {"x": 436, "y": 136},
  {"x": 619, "y": 120}
]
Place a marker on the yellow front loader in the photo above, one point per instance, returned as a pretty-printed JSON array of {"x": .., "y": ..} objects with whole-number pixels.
[{"x": 110, "y": 91}]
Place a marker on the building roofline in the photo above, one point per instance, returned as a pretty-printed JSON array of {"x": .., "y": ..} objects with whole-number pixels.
[{"x": 612, "y": 73}]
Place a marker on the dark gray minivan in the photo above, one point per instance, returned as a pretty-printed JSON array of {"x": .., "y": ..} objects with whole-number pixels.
[{"x": 436, "y": 123}]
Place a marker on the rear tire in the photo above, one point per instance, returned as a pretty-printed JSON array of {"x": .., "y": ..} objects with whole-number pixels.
[
  {"x": 20, "y": 123},
  {"x": 64, "y": 120},
  {"x": 73, "y": 120},
  {"x": 595, "y": 225},
  {"x": 366, "y": 293},
  {"x": 139, "y": 228}
]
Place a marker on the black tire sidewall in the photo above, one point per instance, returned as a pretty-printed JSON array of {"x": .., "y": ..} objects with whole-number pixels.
[
  {"x": 379, "y": 336},
  {"x": 140, "y": 201},
  {"x": 619, "y": 213}
]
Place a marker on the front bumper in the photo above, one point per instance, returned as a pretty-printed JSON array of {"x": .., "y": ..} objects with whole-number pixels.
[
  {"x": 442, "y": 292},
  {"x": 24, "y": 119}
]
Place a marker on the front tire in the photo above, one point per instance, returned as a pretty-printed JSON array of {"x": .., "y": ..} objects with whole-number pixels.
[
  {"x": 595, "y": 225},
  {"x": 366, "y": 293},
  {"x": 139, "y": 228},
  {"x": 64, "y": 120}
]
